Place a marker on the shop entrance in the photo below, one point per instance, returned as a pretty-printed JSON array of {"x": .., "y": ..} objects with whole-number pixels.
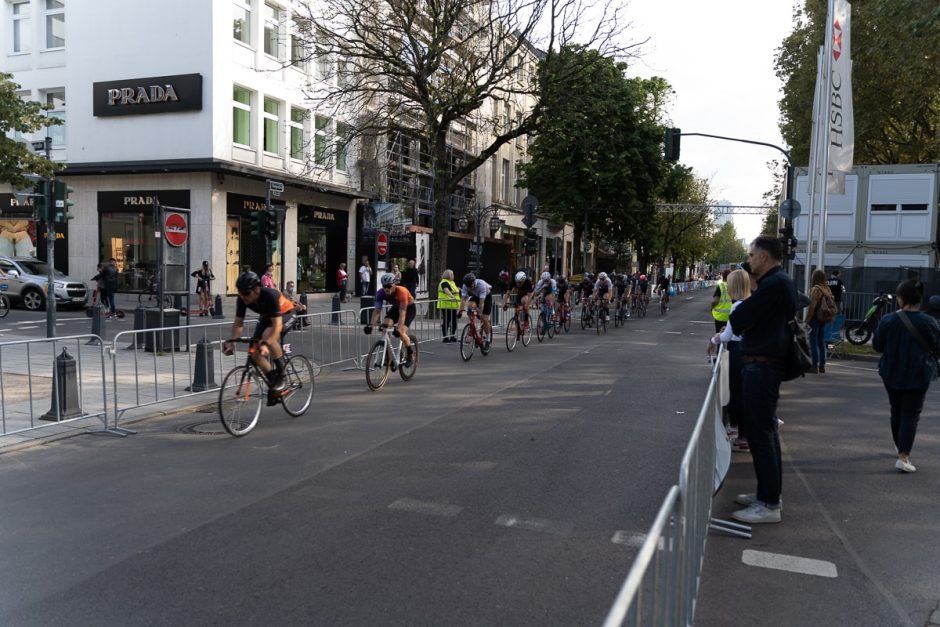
[{"x": 321, "y": 247}]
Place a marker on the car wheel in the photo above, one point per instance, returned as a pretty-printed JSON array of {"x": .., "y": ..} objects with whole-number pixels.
[{"x": 33, "y": 299}]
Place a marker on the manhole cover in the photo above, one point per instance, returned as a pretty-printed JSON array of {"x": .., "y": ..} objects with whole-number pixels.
[{"x": 211, "y": 427}]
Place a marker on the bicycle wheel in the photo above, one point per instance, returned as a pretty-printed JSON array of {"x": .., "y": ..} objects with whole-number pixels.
[
  {"x": 662, "y": 306},
  {"x": 584, "y": 318},
  {"x": 541, "y": 327},
  {"x": 467, "y": 343},
  {"x": 240, "y": 399},
  {"x": 487, "y": 342},
  {"x": 407, "y": 372},
  {"x": 377, "y": 366},
  {"x": 298, "y": 373},
  {"x": 4, "y": 306},
  {"x": 617, "y": 321},
  {"x": 526, "y": 332},
  {"x": 512, "y": 333},
  {"x": 566, "y": 325}
]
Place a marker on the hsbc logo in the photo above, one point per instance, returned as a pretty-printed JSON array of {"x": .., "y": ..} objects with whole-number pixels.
[{"x": 836, "y": 40}]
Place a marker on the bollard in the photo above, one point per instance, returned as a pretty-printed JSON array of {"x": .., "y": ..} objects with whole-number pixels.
[
  {"x": 204, "y": 371},
  {"x": 217, "y": 308},
  {"x": 64, "y": 389},
  {"x": 138, "y": 338},
  {"x": 335, "y": 308},
  {"x": 303, "y": 301},
  {"x": 97, "y": 325}
]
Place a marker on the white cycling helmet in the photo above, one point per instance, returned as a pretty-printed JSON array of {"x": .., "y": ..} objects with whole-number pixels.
[
  {"x": 388, "y": 279},
  {"x": 521, "y": 276},
  {"x": 602, "y": 276},
  {"x": 546, "y": 276}
]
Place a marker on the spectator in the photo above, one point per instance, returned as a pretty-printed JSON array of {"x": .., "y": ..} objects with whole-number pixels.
[
  {"x": 837, "y": 287},
  {"x": 396, "y": 272},
  {"x": 762, "y": 321},
  {"x": 503, "y": 281},
  {"x": 817, "y": 317},
  {"x": 739, "y": 288},
  {"x": 409, "y": 278},
  {"x": 342, "y": 277},
  {"x": 203, "y": 277},
  {"x": 99, "y": 282},
  {"x": 909, "y": 341},
  {"x": 365, "y": 277},
  {"x": 110, "y": 285},
  {"x": 267, "y": 279},
  {"x": 721, "y": 302},
  {"x": 448, "y": 302}
]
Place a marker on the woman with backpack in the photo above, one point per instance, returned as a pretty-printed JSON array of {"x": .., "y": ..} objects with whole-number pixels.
[{"x": 821, "y": 311}]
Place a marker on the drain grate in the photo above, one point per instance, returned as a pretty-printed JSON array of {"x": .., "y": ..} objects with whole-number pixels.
[{"x": 211, "y": 427}]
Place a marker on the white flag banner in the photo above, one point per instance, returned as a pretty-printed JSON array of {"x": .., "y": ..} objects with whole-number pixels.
[{"x": 841, "y": 119}]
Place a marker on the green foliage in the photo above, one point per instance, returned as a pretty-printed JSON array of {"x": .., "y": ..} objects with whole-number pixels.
[
  {"x": 17, "y": 158},
  {"x": 678, "y": 238},
  {"x": 724, "y": 246},
  {"x": 894, "y": 79}
]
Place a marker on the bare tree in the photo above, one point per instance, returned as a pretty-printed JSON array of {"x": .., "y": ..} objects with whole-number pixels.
[{"x": 429, "y": 66}]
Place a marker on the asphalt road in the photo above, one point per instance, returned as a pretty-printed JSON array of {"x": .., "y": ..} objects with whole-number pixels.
[{"x": 507, "y": 490}]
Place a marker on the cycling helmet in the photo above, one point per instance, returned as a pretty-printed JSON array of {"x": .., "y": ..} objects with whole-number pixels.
[
  {"x": 247, "y": 281},
  {"x": 205, "y": 264},
  {"x": 388, "y": 279},
  {"x": 602, "y": 276},
  {"x": 469, "y": 279},
  {"x": 546, "y": 276},
  {"x": 642, "y": 277},
  {"x": 520, "y": 276}
]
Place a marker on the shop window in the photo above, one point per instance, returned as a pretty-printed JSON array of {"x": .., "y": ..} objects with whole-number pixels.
[
  {"x": 22, "y": 25},
  {"x": 55, "y": 24},
  {"x": 241, "y": 116},
  {"x": 128, "y": 237},
  {"x": 271, "y": 119},
  {"x": 241, "y": 21}
]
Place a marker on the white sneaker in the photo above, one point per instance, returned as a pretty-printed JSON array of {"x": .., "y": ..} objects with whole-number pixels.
[
  {"x": 757, "y": 514},
  {"x": 904, "y": 466},
  {"x": 749, "y": 499}
]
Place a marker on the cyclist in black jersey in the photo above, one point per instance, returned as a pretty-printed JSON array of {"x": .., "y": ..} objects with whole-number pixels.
[{"x": 522, "y": 288}]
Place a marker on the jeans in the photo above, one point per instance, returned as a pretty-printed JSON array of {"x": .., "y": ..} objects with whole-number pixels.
[
  {"x": 107, "y": 299},
  {"x": 817, "y": 341},
  {"x": 906, "y": 406},
  {"x": 760, "y": 389}
]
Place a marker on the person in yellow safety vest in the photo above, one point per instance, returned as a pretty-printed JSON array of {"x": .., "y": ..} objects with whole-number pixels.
[
  {"x": 721, "y": 302},
  {"x": 448, "y": 301}
]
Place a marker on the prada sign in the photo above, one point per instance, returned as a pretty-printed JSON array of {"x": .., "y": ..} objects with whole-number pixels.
[{"x": 157, "y": 94}]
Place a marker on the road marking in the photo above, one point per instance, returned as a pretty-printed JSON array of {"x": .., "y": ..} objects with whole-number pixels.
[
  {"x": 553, "y": 527},
  {"x": 426, "y": 507},
  {"x": 700, "y": 322},
  {"x": 24, "y": 328},
  {"x": 634, "y": 540},
  {"x": 789, "y": 563},
  {"x": 673, "y": 332},
  {"x": 642, "y": 343},
  {"x": 5, "y": 330}
]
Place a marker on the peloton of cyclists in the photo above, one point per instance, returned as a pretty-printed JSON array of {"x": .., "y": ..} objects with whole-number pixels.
[
  {"x": 478, "y": 294},
  {"x": 398, "y": 298}
]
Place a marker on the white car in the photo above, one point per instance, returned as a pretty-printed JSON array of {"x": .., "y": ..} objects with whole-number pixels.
[{"x": 26, "y": 279}]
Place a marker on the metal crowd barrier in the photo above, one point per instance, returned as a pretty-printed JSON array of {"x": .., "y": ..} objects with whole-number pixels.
[
  {"x": 662, "y": 584},
  {"x": 64, "y": 376}
]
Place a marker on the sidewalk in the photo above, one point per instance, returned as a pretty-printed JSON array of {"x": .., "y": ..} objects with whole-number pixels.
[{"x": 873, "y": 531}]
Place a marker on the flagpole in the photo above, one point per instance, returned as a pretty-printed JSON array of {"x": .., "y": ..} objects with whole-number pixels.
[
  {"x": 815, "y": 140},
  {"x": 820, "y": 253}
]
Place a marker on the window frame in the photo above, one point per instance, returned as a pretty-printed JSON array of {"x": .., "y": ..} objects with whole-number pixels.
[
  {"x": 268, "y": 117},
  {"x": 21, "y": 23},
  {"x": 505, "y": 174},
  {"x": 321, "y": 140},
  {"x": 247, "y": 108},
  {"x": 49, "y": 14},
  {"x": 246, "y": 6},
  {"x": 300, "y": 126},
  {"x": 59, "y": 130},
  {"x": 343, "y": 144},
  {"x": 278, "y": 22}
]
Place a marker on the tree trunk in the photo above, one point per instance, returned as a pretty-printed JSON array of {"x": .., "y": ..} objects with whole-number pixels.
[{"x": 441, "y": 218}]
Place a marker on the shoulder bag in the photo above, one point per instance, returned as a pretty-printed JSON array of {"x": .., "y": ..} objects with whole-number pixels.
[{"x": 902, "y": 316}]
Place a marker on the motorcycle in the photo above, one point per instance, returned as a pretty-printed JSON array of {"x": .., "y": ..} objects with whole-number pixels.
[{"x": 860, "y": 331}]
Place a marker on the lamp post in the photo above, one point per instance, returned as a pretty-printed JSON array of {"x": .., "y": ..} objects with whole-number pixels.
[{"x": 478, "y": 214}]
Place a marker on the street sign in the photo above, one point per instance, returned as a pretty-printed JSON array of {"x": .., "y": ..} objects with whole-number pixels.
[
  {"x": 529, "y": 205},
  {"x": 381, "y": 244},
  {"x": 176, "y": 229},
  {"x": 40, "y": 145},
  {"x": 790, "y": 209},
  {"x": 276, "y": 187}
]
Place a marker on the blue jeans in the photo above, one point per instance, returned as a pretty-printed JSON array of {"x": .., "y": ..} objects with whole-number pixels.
[
  {"x": 817, "y": 341},
  {"x": 760, "y": 389}
]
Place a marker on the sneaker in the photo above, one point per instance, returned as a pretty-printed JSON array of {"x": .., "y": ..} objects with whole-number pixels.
[
  {"x": 904, "y": 466},
  {"x": 750, "y": 498},
  {"x": 822, "y": 369},
  {"x": 757, "y": 514},
  {"x": 740, "y": 445}
]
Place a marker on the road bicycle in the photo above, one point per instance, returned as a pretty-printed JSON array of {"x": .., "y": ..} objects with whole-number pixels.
[
  {"x": 663, "y": 302},
  {"x": 151, "y": 298},
  {"x": 546, "y": 323},
  {"x": 621, "y": 313},
  {"x": 518, "y": 329},
  {"x": 588, "y": 313},
  {"x": 245, "y": 389},
  {"x": 472, "y": 338},
  {"x": 563, "y": 318},
  {"x": 4, "y": 301},
  {"x": 95, "y": 303},
  {"x": 638, "y": 306},
  {"x": 602, "y": 315},
  {"x": 385, "y": 358}
]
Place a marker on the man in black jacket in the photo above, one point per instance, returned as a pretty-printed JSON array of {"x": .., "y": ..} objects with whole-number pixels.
[
  {"x": 409, "y": 278},
  {"x": 762, "y": 322}
]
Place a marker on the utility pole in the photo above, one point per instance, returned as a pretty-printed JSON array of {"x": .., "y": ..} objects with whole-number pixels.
[{"x": 46, "y": 145}]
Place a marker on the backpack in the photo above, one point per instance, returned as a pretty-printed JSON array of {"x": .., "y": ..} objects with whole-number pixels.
[
  {"x": 826, "y": 308},
  {"x": 799, "y": 357}
]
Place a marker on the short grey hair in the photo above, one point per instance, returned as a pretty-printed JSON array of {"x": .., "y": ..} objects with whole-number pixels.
[{"x": 448, "y": 274}]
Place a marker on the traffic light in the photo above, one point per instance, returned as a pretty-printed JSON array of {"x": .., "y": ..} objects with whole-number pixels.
[
  {"x": 39, "y": 201},
  {"x": 271, "y": 226},
  {"x": 788, "y": 242},
  {"x": 672, "y": 144},
  {"x": 259, "y": 224},
  {"x": 60, "y": 194},
  {"x": 530, "y": 242}
]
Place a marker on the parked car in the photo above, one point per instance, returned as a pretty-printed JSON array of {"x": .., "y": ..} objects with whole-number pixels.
[{"x": 26, "y": 280}]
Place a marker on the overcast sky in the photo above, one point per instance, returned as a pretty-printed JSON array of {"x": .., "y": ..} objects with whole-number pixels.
[{"x": 718, "y": 56}]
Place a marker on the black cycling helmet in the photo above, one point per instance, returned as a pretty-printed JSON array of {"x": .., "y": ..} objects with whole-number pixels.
[
  {"x": 247, "y": 281},
  {"x": 469, "y": 279}
]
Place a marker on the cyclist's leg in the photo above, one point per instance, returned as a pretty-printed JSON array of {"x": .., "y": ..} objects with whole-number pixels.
[
  {"x": 487, "y": 310},
  {"x": 405, "y": 322}
]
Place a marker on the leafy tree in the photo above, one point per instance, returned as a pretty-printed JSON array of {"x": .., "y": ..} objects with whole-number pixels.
[
  {"x": 894, "y": 79},
  {"x": 17, "y": 158},
  {"x": 725, "y": 247},
  {"x": 677, "y": 237}
]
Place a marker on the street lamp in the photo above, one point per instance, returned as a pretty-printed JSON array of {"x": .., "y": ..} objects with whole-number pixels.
[{"x": 478, "y": 214}]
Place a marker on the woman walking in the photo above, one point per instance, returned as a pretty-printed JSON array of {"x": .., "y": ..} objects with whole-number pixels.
[
  {"x": 817, "y": 317},
  {"x": 909, "y": 342}
]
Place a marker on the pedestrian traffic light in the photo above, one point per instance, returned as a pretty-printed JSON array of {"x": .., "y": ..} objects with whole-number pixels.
[
  {"x": 259, "y": 224},
  {"x": 60, "y": 194},
  {"x": 672, "y": 144},
  {"x": 270, "y": 226}
]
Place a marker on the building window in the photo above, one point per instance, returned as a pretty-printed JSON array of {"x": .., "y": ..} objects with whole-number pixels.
[
  {"x": 342, "y": 146},
  {"x": 57, "y": 132},
  {"x": 297, "y": 118},
  {"x": 321, "y": 139},
  {"x": 271, "y": 118},
  {"x": 272, "y": 30},
  {"x": 299, "y": 46},
  {"x": 324, "y": 63},
  {"x": 241, "y": 115},
  {"x": 22, "y": 35},
  {"x": 55, "y": 23},
  {"x": 241, "y": 21},
  {"x": 506, "y": 182}
]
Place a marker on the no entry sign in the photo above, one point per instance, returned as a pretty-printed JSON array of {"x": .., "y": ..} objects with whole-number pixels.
[
  {"x": 381, "y": 244},
  {"x": 176, "y": 229}
]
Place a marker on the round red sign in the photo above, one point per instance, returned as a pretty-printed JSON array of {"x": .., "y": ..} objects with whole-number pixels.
[
  {"x": 175, "y": 229},
  {"x": 381, "y": 244}
]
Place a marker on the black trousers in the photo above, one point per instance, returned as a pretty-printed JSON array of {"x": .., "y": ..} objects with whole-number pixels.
[
  {"x": 760, "y": 388},
  {"x": 906, "y": 406},
  {"x": 449, "y": 323}
]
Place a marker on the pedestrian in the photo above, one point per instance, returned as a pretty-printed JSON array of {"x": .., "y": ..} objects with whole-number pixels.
[
  {"x": 396, "y": 272},
  {"x": 721, "y": 302},
  {"x": 739, "y": 288},
  {"x": 821, "y": 311},
  {"x": 342, "y": 277},
  {"x": 203, "y": 276},
  {"x": 267, "y": 279},
  {"x": 837, "y": 287},
  {"x": 409, "y": 278},
  {"x": 448, "y": 302},
  {"x": 762, "y": 321},
  {"x": 99, "y": 282},
  {"x": 365, "y": 277},
  {"x": 909, "y": 341},
  {"x": 110, "y": 275}
]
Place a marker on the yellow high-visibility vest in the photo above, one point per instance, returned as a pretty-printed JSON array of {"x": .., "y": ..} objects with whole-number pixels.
[
  {"x": 722, "y": 311},
  {"x": 443, "y": 300}
]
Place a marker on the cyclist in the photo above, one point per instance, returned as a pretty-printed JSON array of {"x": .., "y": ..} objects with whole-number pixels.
[
  {"x": 203, "y": 276},
  {"x": 546, "y": 289},
  {"x": 398, "y": 298},
  {"x": 474, "y": 291},
  {"x": 563, "y": 296},
  {"x": 627, "y": 293},
  {"x": 275, "y": 318},
  {"x": 586, "y": 286},
  {"x": 662, "y": 288},
  {"x": 603, "y": 291},
  {"x": 643, "y": 286},
  {"x": 522, "y": 288}
]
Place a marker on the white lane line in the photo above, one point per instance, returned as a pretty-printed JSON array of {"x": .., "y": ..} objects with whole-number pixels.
[
  {"x": 426, "y": 507},
  {"x": 553, "y": 527},
  {"x": 673, "y": 332},
  {"x": 700, "y": 322},
  {"x": 642, "y": 343},
  {"x": 789, "y": 563},
  {"x": 634, "y": 540},
  {"x": 24, "y": 328},
  {"x": 5, "y": 330}
]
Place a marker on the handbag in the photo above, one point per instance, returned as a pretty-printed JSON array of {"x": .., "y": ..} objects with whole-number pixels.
[
  {"x": 799, "y": 357},
  {"x": 920, "y": 340}
]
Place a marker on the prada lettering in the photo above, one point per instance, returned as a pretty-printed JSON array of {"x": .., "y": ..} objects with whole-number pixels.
[
  {"x": 254, "y": 205},
  {"x": 322, "y": 215},
  {"x": 155, "y": 94},
  {"x": 138, "y": 201},
  {"x": 141, "y": 95}
]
